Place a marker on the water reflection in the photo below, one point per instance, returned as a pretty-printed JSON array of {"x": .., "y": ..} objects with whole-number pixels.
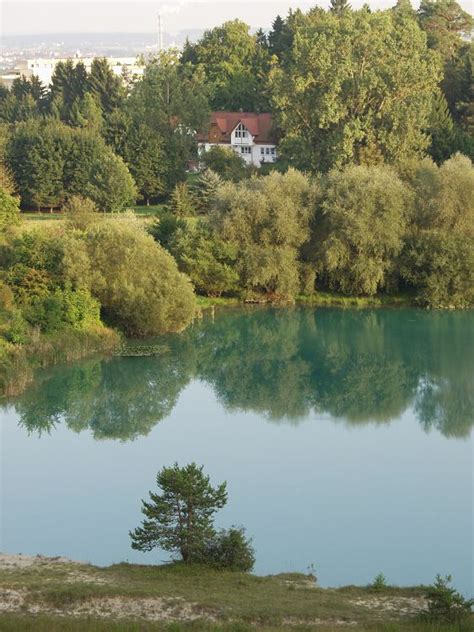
[{"x": 357, "y": 366}]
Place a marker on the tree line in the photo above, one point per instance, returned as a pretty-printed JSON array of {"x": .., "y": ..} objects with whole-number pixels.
[
  {"x": 355, "y": 206},
  {"x": 345, "y": 86},
  {"x": 358, "y": 231}
]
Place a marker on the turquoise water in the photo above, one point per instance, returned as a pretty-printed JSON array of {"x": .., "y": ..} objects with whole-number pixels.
[{"x": 345, "y": 437}]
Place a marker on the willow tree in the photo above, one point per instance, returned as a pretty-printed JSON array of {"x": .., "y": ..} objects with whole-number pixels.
[
  {"x": 137, "y": 282},
  {"x": 356, "y": 86},
  {"x": 361, "y": 228}
]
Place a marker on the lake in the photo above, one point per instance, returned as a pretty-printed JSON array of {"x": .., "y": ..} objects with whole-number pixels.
[{"x": 345, "y": 437}]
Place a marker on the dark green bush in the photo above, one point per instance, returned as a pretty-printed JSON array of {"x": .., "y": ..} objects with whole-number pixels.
[
  {"x": 445, "y": 603},
  {"x": 230, "y": 549}
]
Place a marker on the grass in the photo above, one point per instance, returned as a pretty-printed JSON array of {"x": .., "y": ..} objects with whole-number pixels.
[
  {"x": 228, "y": 601},
  {"x": 149, "y": 211},
  {"x": 42, "y": 623},
  {"x": 319, "y": 299},
  {"x": 207, "y": 302},
  {"x": 41, "y": 216},
  {"x": 338, "y": 300}
]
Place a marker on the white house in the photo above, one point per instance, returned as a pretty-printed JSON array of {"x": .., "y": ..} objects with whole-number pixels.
[{"x": 249, "y": 134}]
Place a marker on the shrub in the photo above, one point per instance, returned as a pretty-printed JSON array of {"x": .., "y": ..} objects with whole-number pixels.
[
  {"x": 207, "y": 260},
  {"x": 229, "y": 549},
  {"x": 80, "y": 211},
  {"x": 137, "y": 282},
  {"x": 225, "y": 162},
  {"x": 445, "y": 602},
  {"x": 9, "y": 209},
  {"x": 440, "y": 267},
  {"x": 183, "y": 203},
  {"x": 379, "y": 583}
]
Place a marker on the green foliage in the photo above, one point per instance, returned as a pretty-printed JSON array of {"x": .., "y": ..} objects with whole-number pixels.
[
  {"x": 445, "y": 603},
  {"x": 225, "y": 162},
  {"x": 170, "y": 102},
  {"x": 105, "y": 86},
  {"x": 180, "y": 519},
  {"x": 445, "y": 23},
  {"x": 437, "y": 259},
  {"x": 354, "y": 84},
  {"x": 142, "y": 150},
  {"x": 111, "y": 186},
  {"x": 86, "y": 113},
  {"x": 267, "y": 220},
  {"x": 439, "y": 265},
  {"x": 339, "y": 6},
  {"x": 379, "y": 583},
  {"x": 35, "y": 154},
  {"x": 80, "y": 211},
  {"x": 182, "y": 201},
  {"x": 137, "y": 282},
  {"x": 164, "y": 229},
  {"x": 234, "y": 63},
  {"x": 9, "y": 209},
  {"x": 52, "y": 161},
  {"x": 230, "y": 549},
  {"x": 361, "y": 225},
  {"x": 208, "y": 260},
  {"x": 205, "y": 189}
]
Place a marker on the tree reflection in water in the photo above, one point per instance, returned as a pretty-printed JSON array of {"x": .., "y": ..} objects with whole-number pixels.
[{"x": 364, "y": 366}]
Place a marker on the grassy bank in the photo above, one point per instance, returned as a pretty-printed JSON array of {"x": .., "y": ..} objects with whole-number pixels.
[
  {"x": 318, "y": 299},
  {"x": 55, "y": 595},
  {"x": 18, "y": 362},
  {"x": 338, "y": 300}
]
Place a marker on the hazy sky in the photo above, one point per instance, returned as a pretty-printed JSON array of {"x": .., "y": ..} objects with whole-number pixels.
[{"x": 109, "y": 16}]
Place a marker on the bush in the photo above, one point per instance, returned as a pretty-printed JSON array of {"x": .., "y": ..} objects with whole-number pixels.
[
  {"x": 207, "y": 260},
  {"x": 229, "y": 549},
  {"x": 225, "y": 162},
  {"x": 164, "y": 229},
  {"x": 137, "y": 282},
  {"x": 379, "y": 583},
  {"x": 9, "y": 209},
  {"x": 80, "y": 211},
  {"x": 440, "y": 267},
  {"x": 446, "y": 603}
]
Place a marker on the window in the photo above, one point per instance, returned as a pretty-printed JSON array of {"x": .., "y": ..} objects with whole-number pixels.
[
  {"x": 240, "y": 131},
  {"x": 267, "y": 151},
  {"x": 273, "y": 151},
  {"x": 245, "y": 150},
  {"x": 262, "y": 151}
]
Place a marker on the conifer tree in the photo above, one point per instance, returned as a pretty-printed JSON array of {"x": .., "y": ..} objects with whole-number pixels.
[
  {"x": 339, "y": 6},
  {"x": 180, "y": 518}
]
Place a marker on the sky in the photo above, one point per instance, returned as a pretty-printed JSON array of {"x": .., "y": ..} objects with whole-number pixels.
[{"x": 18, "y": 17}]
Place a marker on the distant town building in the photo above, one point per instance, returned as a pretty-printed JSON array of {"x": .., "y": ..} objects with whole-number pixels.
[
  {"x": 130, "y": 68},
  {"x": 249, "y": 134}
]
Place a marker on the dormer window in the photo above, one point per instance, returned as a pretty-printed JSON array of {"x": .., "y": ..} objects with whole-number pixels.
[{"x": 241, "y": 131}]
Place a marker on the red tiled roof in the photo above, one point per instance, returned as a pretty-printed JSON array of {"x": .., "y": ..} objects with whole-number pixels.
[{"x": 223, "y": 123}]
